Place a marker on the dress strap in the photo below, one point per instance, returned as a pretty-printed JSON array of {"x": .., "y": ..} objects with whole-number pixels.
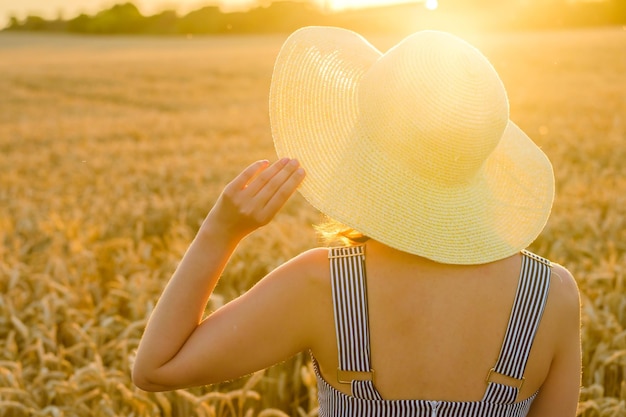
[
  {"x": 506, "y": 378},
  {"x": 347, "y": 271}
]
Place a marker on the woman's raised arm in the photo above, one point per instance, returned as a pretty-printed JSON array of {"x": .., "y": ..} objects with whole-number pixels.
[{"x": 248, "y": 202}]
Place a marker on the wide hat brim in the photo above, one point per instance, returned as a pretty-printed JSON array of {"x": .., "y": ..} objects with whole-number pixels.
[{"x": 315, "y": 114}]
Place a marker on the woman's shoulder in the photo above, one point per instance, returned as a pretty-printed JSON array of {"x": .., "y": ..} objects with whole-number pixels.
[
  {"x": 314, "y": 256},
  {"x": 562, "y": 312},
  {"x": 309, "y": 268},
  {"x": 564, "y": 286},
  {"x": 311, "y": 261}
]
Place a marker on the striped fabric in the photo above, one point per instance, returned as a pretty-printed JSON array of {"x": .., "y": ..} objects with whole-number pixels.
[{"x": 352, "y": 326}]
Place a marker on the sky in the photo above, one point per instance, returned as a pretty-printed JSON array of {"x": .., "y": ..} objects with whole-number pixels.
[{"x": 70, "y": 8}]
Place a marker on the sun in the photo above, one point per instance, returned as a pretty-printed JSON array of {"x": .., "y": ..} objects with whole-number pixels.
[{"x": 431, "y": 4}]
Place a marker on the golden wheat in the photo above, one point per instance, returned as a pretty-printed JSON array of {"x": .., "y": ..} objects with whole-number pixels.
[{"x": 113, "y": 149}]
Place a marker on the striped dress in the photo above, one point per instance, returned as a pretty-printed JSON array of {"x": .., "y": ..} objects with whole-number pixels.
[{"x": 351, "y": 322}]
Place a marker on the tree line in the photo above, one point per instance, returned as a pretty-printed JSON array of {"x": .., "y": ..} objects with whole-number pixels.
[{"x": 286, "y": 16}]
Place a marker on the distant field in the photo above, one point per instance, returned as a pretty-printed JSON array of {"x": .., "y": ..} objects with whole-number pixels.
[{"x": 113, "y": 149}]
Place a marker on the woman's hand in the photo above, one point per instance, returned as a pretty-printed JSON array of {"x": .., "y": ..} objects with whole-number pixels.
[{"x": 254, "y": 197}]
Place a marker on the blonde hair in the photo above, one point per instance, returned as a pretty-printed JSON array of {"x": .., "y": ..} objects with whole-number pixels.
[{"x": 333, "y": 233}]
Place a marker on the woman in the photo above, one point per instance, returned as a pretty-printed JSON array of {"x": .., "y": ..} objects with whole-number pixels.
[{"x": 441, "y": 311}]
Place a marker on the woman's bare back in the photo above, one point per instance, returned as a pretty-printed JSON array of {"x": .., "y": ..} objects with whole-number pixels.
[{"x": 437, "y": 329}]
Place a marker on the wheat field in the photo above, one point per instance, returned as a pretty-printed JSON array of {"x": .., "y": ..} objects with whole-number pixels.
[{"x": 113, "y": 149}]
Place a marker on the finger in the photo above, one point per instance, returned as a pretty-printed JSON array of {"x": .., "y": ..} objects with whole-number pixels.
[
  {"x": 248, "y": 174},
  {"x": 281, "y": 172},
  {"x": 283, "y": 191},
  {"x": 261, "y": 180}
]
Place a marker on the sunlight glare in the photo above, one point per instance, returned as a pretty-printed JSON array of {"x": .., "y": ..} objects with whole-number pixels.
[
  {"x": 356, "y": 4},
  {"x": 431, "y": 4}
]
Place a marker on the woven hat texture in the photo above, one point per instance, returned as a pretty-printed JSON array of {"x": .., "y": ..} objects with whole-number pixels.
[{"x": 413, "y": 147}]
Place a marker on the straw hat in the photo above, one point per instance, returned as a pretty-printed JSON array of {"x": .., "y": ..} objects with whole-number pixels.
[{"x": 414, "y": 147}]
